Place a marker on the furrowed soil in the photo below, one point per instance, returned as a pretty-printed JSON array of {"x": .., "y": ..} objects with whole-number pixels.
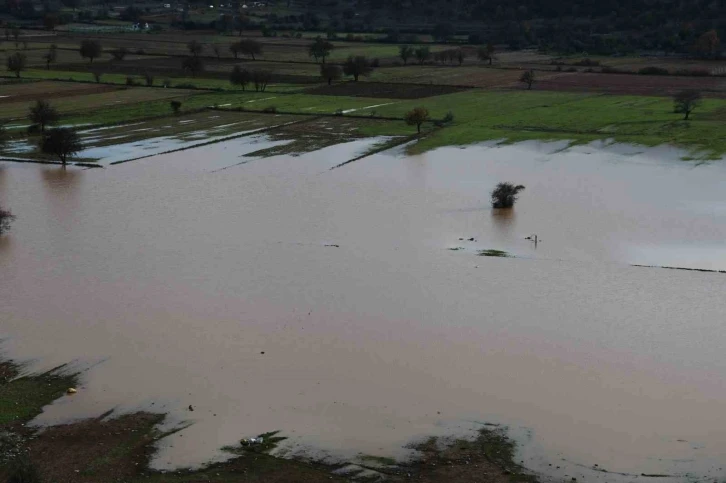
[
  {"x": 384, "y": 90},
  {"x": 633, "y": 84}
]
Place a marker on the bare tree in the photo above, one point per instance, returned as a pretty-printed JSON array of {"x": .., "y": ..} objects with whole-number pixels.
[
  {"x": 193, "y": 65},
  {"x": 684, "y": 102},
  {"x": 417, "y": 117},
  {"x": 250, "y": 47},
  {"x": 195, "y": 48},
  {"x": 261, "y": 78},
  {"x": 216, "y": 50},
  {"x": 120, "y": 53},
  {"x": 50, "y": 56},
  {"x": 486, "y": 53}
]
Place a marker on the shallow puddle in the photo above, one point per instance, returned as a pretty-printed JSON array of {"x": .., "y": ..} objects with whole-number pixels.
[{"x": 280, "y": 295}]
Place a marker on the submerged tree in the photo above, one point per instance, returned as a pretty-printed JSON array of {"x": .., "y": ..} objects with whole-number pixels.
[
  {"x": 686, "y": 101},
  {"x": 42, "y": 114},
  {"x": 505, "y": 195},
  {"x": 6, "y": 218},
  {"x": 416, "y": 117},
  {"x": 61, "y": 142}
]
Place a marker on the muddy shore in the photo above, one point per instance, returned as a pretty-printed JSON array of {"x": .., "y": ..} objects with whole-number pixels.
[{"x": 118, "y": 448}]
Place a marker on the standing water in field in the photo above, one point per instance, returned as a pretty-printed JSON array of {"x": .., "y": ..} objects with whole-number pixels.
[{"x": 280, "y": 295}]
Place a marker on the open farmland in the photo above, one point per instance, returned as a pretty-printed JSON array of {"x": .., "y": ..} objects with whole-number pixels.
[{"x": 632, "y": 84}]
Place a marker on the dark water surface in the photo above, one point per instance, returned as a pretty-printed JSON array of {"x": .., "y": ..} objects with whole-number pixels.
[{"x": 174, "y": 276}]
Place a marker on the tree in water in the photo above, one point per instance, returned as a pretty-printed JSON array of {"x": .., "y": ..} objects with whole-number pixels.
[
  {"x": 61, "y": 142},
  {"x": 416, "y": 117},
  {"x": 686, "y": 101},
  {"x": 42, "y": 114},
  {"x": 6, "y": 218},
  {"x": 505, "y": 195}
]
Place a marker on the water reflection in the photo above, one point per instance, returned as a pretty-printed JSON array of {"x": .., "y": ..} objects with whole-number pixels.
[{"x": 504, "y": 221}]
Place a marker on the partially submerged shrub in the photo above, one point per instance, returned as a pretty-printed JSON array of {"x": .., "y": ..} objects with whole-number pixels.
[
  {"x": 6, "y": 218},
  {"x": 505, "y": 195}
]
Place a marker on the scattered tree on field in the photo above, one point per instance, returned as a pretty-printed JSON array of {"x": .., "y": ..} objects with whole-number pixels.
[
  {"x": 241, "y": 23},
  {"x": 528, "y": 77},
  {"x": 97, "y": 75},
  {"x": 50, "y": 56},
  {"x": 236, "y": 49},
  {"x": 216, "y": 50},
  {"x": 6, "y": 218},
  {"x": 261, "y": 78},
  {"x": 405, "y": 52},
  {"x": 422, "y": 54},
  {"x": 16, "y": 63},
  {"x": 193, "y": 65},
  {"x": 417, "y": 117},
  {"x": 486, "y": 53},
  {"x": 708, "y": 44},
  {"x": 120, "y": 53},
  {"x": 149, "y": 79},
  {"x": 195, "y": 48},
  {"x": 175, "y": 106},
  {"x": 460, "y": 56},
  {"x": 330, "y": 72},
  {"x": 42, "y": 114},
  {"x": 250, "y": 47},
  {"x": 239, "y": 77},
  {"x": 90, "y": 49},
  {"x": 320, "y": 49},
  {"x": 685, "y": 101},
  {"x": 357, "y": 66},
  {"x": 50, "y": 21},
  {"x": 505, "y": 195},
  {"x": 62, "y": 142}
]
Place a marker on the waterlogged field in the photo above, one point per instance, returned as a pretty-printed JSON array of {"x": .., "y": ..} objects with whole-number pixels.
[{"x": 350, "y": 309}]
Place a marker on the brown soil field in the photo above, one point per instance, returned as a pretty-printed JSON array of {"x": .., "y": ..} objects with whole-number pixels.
[
  {"x": 49, "y": 90},
  {"x": 470, "y": 76},
  {"x": 213, "y": 68},
  {"x": 632, "y": 84},
  {"x": 384, "y": 90}
]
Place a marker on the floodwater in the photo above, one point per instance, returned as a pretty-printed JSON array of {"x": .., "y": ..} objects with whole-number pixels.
[{"x": 176, "y": 282}]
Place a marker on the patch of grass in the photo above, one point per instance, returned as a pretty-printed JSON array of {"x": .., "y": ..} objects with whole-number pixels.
[
  {"x": 493, "y": 253},
  {"x": 23, "y": 398},
  {"x": 379, "y": 460}
]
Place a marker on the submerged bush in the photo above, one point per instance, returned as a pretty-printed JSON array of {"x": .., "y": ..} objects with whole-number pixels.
[
  {"x": 505, "y": 195},
  {"x": 6, "y": 218}
]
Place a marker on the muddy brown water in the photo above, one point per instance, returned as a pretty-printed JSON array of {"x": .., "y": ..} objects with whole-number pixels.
[{"x": 175, "y": 282}]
